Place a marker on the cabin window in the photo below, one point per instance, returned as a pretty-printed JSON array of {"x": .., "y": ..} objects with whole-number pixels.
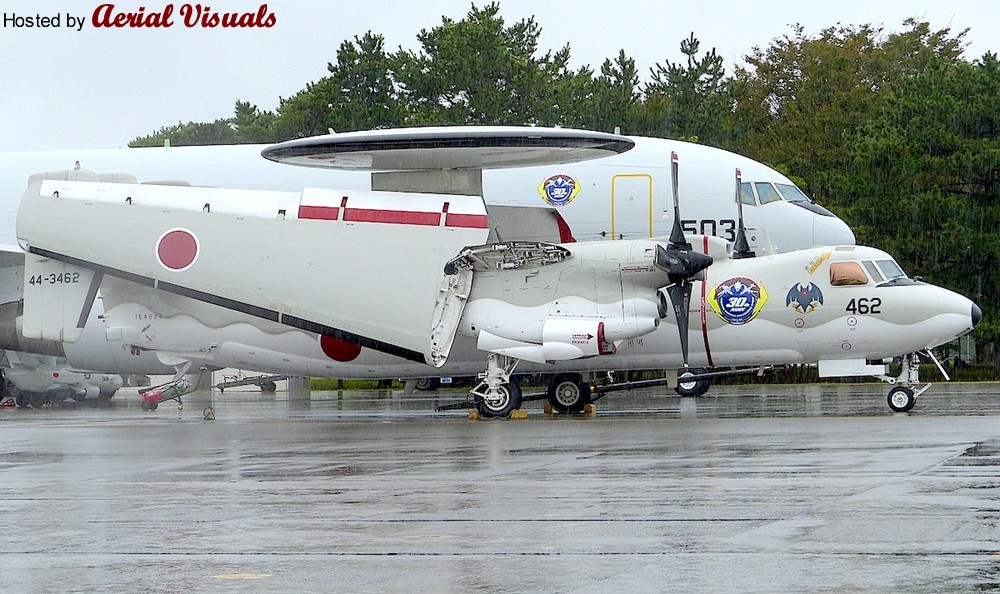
[
  {"x": 791, "y": 193},
  {"x": 766, "y": 192},
  {"x": 746, "y": 195},
  {"x": 845, "y": 274},
  {"x": 873, "y": 271},
  {"x": 890, "y": 269}
]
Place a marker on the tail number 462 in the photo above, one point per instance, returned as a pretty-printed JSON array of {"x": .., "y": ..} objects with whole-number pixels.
[{"x": 865, "y": 305}]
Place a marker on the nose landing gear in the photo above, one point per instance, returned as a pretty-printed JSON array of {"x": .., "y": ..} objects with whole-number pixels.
[{"x": 902, "y": 396}]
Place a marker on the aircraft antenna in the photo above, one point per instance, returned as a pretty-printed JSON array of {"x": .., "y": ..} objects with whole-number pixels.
[{"x": 741, "y": 249}]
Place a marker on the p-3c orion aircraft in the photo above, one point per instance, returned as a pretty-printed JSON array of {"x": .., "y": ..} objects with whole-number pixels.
[
  {"x": 619, "y": 196},
  {"x": 407, "y": 274}
]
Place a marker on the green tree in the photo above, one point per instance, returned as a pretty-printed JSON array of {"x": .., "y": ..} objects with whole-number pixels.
[
  {"x": 801, "y": 95},
  {"x": 220, "y": 131},
  {"x": 358, "y": 94},
  {"x": 615, "y": 98},
  {"x": 688, "y": 100},
  {"x": 253, "y": 125},
  {"x": 924, "y": 181},
  {"x": 481, "y": 71}
]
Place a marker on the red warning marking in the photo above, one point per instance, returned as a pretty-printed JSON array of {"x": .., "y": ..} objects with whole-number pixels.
[
  {"x": 394, "y": 217},
  {"x": 399, "y": 217},
  {"x": 177, "y": 249},
  {"x": 466, "y": 221},
  {"x": 339, "y": 350},
  {"x": 324, "y": 213}
]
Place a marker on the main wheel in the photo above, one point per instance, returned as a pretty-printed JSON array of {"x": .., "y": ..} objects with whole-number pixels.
[
  {"x": 567, "y": 392},
  {"x": 693, "y": 387},
  {"x": 506, "y": 401},
  {"x": 268, "y": 387},
  {"x": 901, "y": 399}
]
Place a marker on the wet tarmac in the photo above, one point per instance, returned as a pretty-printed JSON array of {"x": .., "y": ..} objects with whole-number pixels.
[{"x": 748, "y": 489}]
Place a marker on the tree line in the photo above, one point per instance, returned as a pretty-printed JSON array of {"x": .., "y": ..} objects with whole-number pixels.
[{"x": 895, "y": 132}]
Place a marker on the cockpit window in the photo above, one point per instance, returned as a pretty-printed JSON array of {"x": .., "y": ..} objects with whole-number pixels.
[
  {"x": 746, "y": 195},
  {"x": 846, "y": 274},
  {"x": 766, "y": 192},
  {"x": 873, "y": 271},
  {"x": 890, "y": 269},
  {"x": 792, "y": 193}
]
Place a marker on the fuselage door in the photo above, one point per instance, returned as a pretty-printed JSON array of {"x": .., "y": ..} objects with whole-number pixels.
[{"x": 631, "y": 206}]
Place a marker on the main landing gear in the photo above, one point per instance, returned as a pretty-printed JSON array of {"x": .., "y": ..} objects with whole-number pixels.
[
  {"x": 498, "y": 395},
  {"x": 692, "y": 387},
  {"x": 903, "y": 395},
  {"x": 568, "y": 393}
]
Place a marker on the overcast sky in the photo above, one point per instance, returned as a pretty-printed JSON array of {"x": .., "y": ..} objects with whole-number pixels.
[{"x": 62, "y": 88}]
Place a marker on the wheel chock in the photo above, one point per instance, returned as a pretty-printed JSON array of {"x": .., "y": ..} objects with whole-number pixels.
[
  {"x": 473, "y": 415},
  {"x": 519, "y": 414},
  {"x": 548, "y": 409},
  {"x": 590, "y": 409}
]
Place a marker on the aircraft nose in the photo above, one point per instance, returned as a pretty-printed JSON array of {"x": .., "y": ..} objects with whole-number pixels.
[
  {"x": 977, "y": 315},
  {"x": 831, "y": 231}
]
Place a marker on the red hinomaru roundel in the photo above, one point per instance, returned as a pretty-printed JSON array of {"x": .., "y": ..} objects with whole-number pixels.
[
  {"x": 177, "y": 249},
  {"x": 339, "y": 350}
]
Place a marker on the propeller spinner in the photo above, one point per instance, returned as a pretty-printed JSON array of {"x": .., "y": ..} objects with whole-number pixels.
[{"x": 682, "y": 265}]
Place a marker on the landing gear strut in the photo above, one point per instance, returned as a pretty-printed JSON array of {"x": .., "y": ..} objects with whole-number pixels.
[
  {"x": 902, "y": 396},
  {"x": 498, "y": 394}
]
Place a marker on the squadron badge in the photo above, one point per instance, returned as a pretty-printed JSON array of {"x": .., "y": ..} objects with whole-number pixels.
[
  {"x": 738, "y": 300},
  {"x": 804, "y": 297},
  {"x": 559, "y": 190}
]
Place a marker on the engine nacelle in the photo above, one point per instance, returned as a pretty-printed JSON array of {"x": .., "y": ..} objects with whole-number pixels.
[{"x": 564, "y": 339}]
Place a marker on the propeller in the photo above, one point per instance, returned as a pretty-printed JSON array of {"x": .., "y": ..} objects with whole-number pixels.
[
  {"x": 682, "y": 265},
  {"x": 741, "y": 249}
]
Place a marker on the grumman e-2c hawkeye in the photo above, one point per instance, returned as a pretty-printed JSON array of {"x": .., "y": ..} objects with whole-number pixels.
[
  {"x": 619, "y": 196},
  {"x": 408, "y": 274}
]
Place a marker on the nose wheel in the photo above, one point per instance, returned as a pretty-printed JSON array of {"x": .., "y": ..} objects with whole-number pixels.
[
  {"x": 901, "y": 399},
  {"x": 903, "y": 395}
]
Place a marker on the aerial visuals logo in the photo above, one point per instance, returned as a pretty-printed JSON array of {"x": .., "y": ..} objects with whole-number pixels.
[
  {"x": 109, "y": 16},
  {"x": 559, "y": 190},
  {"x": 191, "y": 15},
  {"x": 738, "y": 300}
]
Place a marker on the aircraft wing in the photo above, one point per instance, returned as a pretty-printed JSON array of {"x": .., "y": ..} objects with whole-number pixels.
[{"x": 358, "y": 266}]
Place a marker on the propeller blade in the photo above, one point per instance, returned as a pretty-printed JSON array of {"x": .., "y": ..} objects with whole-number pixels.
[
  {"x": 677, "y": 238},
  {"x": 741, "y": 249},
  {"x": 680, "y": 300}
]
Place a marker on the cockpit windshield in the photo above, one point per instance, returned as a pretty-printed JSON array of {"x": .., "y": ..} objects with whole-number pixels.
[
  {"x": 890, "y": 269},
  {"x": 791, "y": 193},
  {"x": 766, "y": 192},
  {"x": 754, "y": 193}
]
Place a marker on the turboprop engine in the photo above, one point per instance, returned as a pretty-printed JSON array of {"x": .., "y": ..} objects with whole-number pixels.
[{"x": 544, "y": 302}]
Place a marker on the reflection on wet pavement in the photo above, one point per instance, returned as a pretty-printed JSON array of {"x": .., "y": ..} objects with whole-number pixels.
[{"x": 750, "y": 489}]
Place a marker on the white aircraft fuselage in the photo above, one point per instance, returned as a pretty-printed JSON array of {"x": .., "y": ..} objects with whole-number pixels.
[
  {"x": 618, "y": 197},
  {"x": 591, "y": 306},
  {"x": 624, "y": 196}
]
